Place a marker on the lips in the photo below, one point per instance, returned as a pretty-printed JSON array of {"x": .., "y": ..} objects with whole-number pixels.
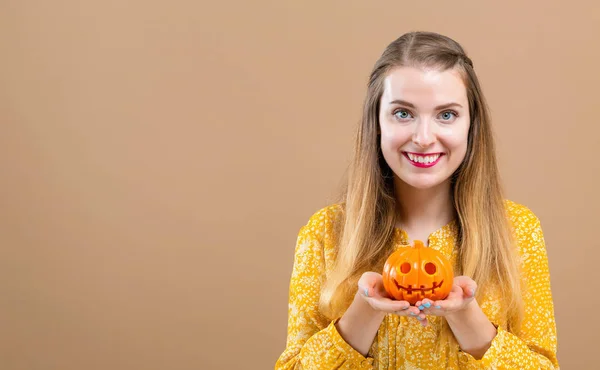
[
  {"x": 422, "y": 289},
  {"x": 423, "y": 160}
]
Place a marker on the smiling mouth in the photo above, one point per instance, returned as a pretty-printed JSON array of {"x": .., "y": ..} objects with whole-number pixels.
[
  {"x": 423, "y": 160},
  {"x": 422, "y": 289}
]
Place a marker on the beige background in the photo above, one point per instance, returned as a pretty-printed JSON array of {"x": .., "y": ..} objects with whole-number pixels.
[{"x": 158, "y": 159}]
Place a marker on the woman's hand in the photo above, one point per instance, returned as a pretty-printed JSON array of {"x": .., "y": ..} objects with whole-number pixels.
[
  {"x": 370, "y": 288},
  {"x": 359, "y": 324},
  {"x": 461, "y": 295}
]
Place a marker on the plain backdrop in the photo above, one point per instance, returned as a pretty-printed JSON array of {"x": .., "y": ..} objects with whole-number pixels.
[{"x": 158, "y": 159}]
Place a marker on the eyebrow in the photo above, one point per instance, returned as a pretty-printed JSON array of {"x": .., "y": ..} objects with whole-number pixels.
[{"x": 411, "y": 105}]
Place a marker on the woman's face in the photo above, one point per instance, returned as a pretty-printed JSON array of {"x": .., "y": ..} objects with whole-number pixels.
[{"x": 424, "y": 121}]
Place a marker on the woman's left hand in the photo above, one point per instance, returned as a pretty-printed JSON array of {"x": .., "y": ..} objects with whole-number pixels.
[{"x": 462, "y": 293}]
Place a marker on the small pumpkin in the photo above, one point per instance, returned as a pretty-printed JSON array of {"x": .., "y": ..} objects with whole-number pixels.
[{"x": 415, "y": 273}]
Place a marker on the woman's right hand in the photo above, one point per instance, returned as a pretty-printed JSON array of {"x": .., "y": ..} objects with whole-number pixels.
[
  {"x": 359, "y": 324},
  {"x": 370, "y": 288}
]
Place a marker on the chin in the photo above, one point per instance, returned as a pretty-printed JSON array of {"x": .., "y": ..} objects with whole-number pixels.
[{"x": 423, "y": 183}]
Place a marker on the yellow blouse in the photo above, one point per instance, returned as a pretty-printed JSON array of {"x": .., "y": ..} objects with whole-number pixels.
[{"x": 402, "y": 342}]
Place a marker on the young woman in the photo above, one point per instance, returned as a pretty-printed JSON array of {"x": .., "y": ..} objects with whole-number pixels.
[{"x": 424, "y": 169}]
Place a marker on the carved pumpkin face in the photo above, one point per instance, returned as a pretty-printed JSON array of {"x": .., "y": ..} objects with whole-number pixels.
[{"x": 412, "y": 274}]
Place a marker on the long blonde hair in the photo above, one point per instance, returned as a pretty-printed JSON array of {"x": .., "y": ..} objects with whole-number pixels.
[{"x": 365, "y": 231}]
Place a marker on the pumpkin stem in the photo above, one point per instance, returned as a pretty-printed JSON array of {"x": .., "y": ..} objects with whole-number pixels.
[{"x": 419, "y": 244}]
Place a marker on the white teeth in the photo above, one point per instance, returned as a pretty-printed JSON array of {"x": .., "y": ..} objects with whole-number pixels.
[{"x": 423, "y": 159}]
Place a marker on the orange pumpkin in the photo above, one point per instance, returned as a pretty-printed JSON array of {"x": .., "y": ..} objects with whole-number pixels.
[{"x": 414, "y": 273}]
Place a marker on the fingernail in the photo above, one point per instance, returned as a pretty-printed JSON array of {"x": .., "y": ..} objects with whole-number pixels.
[
  {"x": 421, "y": 307},
  {"x": 419, "y": 318},
  {"x": 413, "y": 314},
  {"x": 438, "y": 306},
  {"x": 367, "y": 292},
  {"x": 427, "y": 304}
]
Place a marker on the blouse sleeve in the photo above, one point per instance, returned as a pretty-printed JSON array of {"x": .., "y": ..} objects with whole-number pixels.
[
  {"x": 312, "y": 341},
  {"x": 535, "y": 346}
]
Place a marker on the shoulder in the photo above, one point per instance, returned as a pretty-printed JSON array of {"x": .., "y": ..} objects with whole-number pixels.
[
  {"x": 320, "y": 232},
  {"x": 527, "y": 229},
  {"x": 317, "y": 237},
  {"x": 322, "y": 223},
  {"x": 522, "y": 218}
]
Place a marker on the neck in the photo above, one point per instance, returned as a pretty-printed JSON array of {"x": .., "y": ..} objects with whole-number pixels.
[{"x": 424, "y": 208}]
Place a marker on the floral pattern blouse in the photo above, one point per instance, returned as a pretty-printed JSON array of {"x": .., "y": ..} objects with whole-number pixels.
[{"x": 403, "y": 343}]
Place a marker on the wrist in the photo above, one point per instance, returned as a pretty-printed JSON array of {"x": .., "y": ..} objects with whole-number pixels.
[
  {"x": 359, "y": 324},
  {"x": 465, "y": 314},
  {"x": 472, "y": 329},
  {"x": 360, "y": 311},
  {"x": 361, "y": 306}
]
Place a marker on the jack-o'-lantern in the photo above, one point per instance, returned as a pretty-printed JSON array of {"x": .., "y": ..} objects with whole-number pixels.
[{"x": 415, "y": 273}]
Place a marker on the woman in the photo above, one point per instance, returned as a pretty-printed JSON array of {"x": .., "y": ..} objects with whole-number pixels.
[{"x": 424, "y": 169}]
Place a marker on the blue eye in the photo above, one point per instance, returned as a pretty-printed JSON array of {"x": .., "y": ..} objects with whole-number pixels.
[
  {"x": 447, "y": 115},
  {"x": 402, "y": 114}
]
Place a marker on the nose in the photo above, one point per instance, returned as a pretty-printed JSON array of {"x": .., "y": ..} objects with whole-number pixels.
[{"x": 424, "y": 134}]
